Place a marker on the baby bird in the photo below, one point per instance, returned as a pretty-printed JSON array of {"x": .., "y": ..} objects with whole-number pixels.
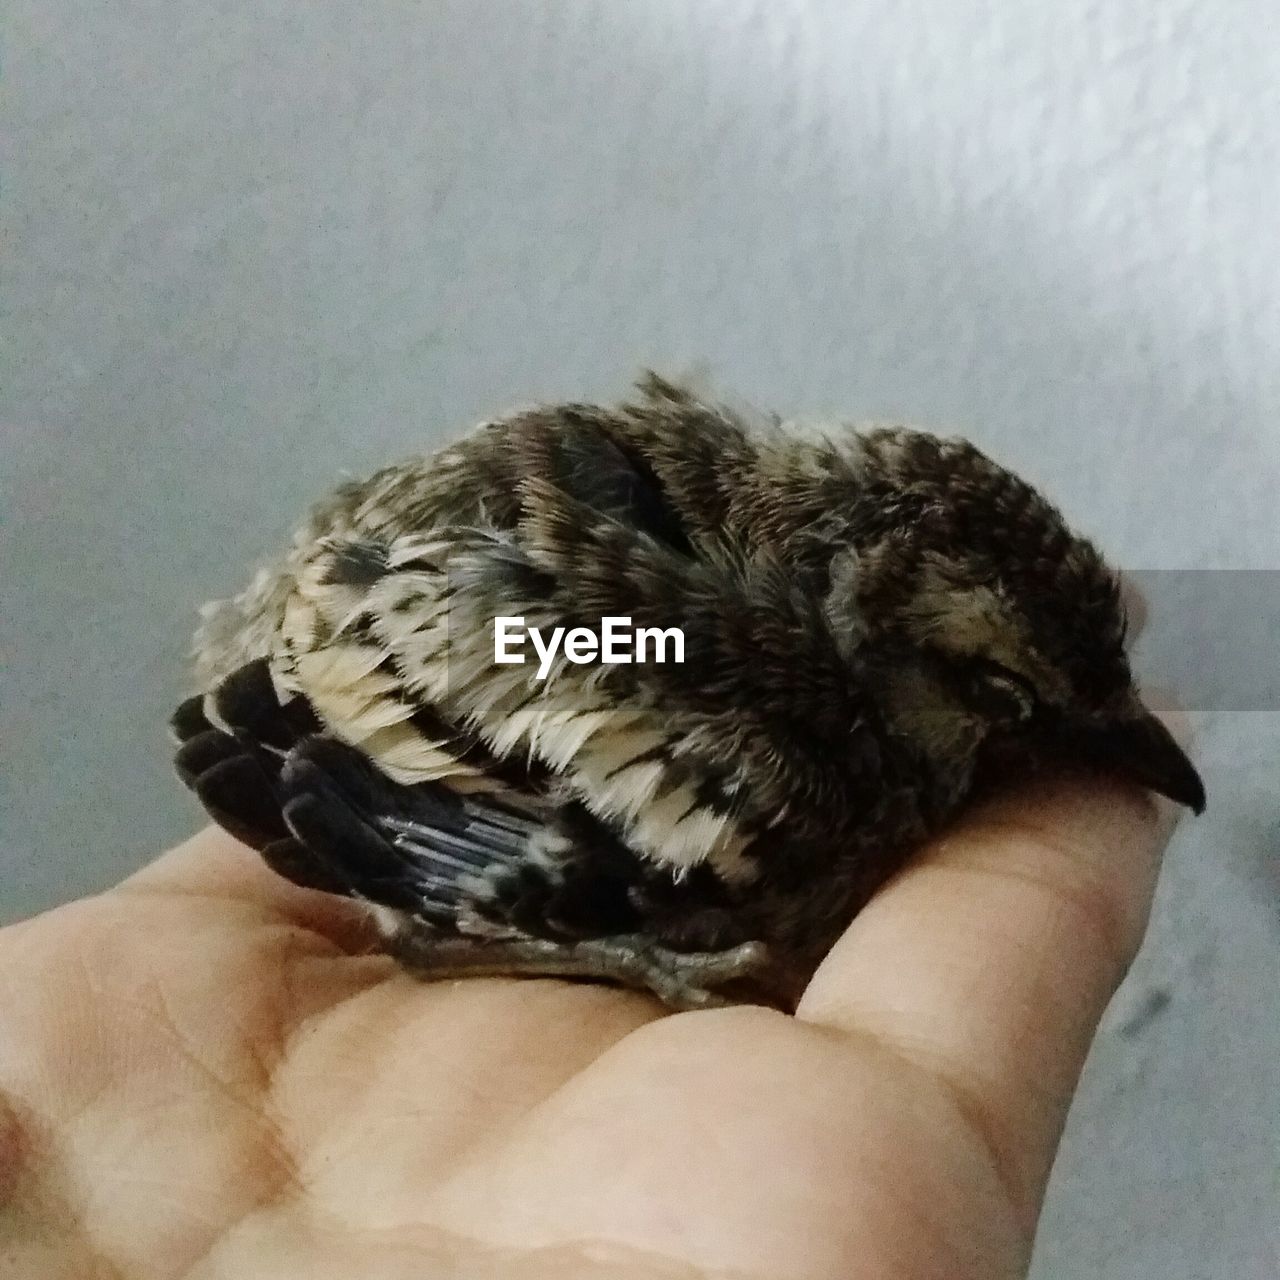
[{"x": 873, "y": 624}]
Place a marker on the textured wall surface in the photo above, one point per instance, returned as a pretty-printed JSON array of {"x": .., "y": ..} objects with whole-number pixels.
[{"x": 253, "y": 246}]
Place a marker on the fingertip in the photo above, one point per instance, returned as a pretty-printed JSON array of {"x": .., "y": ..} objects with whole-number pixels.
[
  {"x": 1133, "y": 600},
  {"x": 993, "y": 954}
]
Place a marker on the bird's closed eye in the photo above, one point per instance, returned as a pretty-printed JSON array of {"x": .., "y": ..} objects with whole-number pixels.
[{"x": 1000, "y": 692}]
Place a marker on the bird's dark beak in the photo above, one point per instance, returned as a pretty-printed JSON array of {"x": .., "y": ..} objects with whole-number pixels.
[{"x": 1140, "y": 749}]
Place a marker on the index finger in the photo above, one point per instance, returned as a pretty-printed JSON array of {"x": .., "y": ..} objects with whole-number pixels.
[{"x": 991, "y": 958}]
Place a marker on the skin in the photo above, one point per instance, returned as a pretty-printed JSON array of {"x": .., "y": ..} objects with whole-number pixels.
[{"x": 205, "y": 1072}]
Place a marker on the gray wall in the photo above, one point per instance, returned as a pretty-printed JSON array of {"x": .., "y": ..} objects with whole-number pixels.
[{"x": 255, "y": 246}]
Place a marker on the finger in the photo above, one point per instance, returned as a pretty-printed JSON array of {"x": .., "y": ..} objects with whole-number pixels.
[
  {"x": 218, "y": 866},
  {"x": 1134, "y": 601},
  {"x": 990, "y": 960}
]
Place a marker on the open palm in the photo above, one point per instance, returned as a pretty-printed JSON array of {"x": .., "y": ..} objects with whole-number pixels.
[{"x": 207, "y": 1072}]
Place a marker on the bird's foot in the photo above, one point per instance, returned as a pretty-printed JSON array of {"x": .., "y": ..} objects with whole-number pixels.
[{"x": 682, "y": 980}]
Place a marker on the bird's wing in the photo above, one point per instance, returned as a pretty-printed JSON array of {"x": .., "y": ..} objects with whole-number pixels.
[{"x": 503, "y": 863}]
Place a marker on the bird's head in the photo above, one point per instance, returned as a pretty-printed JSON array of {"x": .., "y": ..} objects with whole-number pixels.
[{"x": 993, "y": 632}]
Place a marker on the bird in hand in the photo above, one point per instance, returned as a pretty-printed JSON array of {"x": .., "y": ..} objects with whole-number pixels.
[{"x": 876, "y": 625}]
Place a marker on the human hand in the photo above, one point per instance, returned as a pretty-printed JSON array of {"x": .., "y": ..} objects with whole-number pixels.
[{"x": 205, "y": 1072}]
